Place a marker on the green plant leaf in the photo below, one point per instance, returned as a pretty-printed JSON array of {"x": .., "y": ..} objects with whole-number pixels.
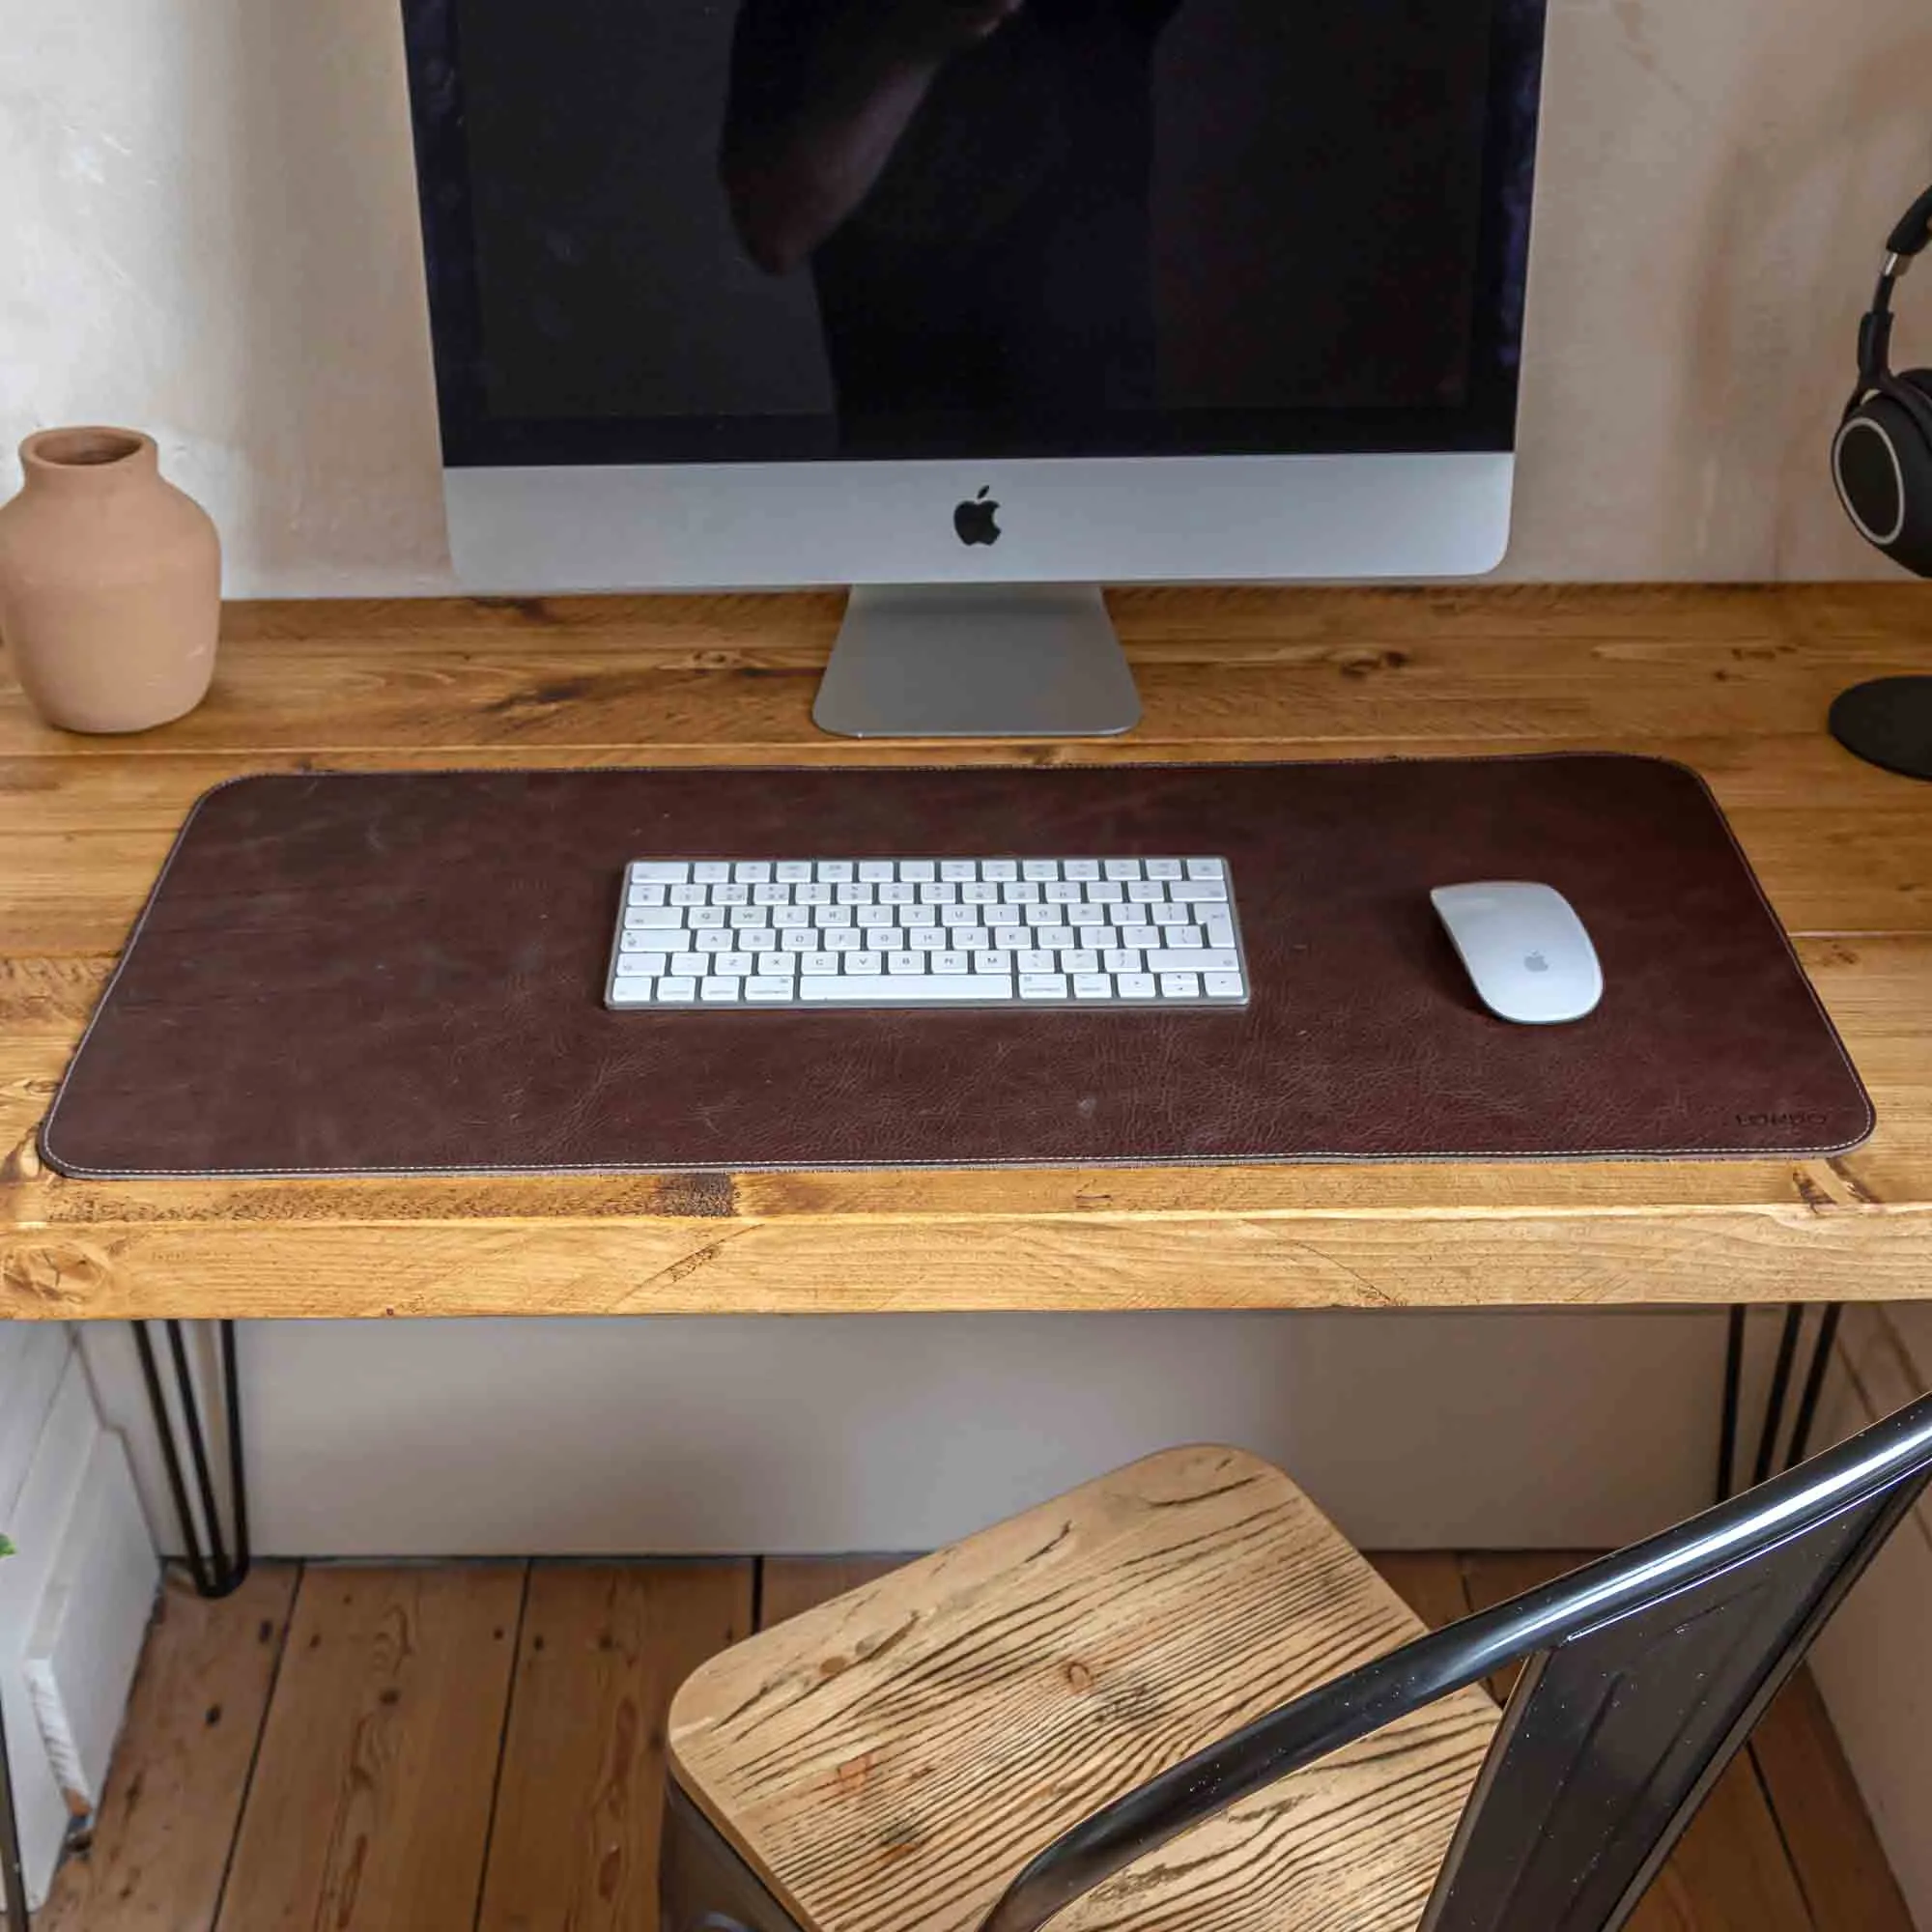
[{"x": 6, "y": 1547}]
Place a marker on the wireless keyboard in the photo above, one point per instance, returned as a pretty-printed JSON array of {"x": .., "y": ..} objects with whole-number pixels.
[{"x": 926, "y": 932}]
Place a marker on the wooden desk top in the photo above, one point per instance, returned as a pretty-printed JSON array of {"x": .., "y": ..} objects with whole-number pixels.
[{"x": 1735, "y": 681}]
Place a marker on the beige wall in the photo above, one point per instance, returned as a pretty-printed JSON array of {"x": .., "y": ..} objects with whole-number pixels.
[{"x": 206, "y": 212}]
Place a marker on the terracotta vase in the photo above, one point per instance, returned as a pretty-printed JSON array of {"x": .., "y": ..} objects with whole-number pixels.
[{"x": 110, "y": 583}]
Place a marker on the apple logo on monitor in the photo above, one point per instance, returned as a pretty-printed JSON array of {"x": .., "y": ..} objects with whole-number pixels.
[{"x": 973, "y": 518}]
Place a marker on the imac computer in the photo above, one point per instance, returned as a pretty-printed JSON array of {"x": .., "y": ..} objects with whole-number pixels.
[{"x": 974, "y": 305}]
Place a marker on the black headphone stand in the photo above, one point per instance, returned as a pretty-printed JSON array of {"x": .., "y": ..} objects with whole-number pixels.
[{"x": 1887, "y": 722}]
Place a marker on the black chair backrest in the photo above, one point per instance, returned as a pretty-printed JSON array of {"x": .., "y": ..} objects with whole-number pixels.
[{"x": 1646, "y": 1673}]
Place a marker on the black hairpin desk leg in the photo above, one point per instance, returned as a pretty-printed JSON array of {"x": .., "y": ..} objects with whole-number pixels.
[
  {"x": 13, "y": 1880},
  {"x": 217, "y": 1572},
  {"x": 1788, "y": 1339}
]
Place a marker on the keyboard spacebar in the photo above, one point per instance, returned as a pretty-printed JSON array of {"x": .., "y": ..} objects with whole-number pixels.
[{"x": 883, "y": 990}]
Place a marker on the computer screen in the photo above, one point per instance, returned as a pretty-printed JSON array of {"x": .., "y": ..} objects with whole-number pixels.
[{"x": 758, "y": 231}]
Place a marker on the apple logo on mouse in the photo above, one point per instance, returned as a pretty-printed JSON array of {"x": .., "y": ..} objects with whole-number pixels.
[
  {"x": 973, "y": 518},
  {"x": 1537, "y": 963}
]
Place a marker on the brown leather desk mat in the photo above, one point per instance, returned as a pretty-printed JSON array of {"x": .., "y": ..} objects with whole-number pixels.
[{"x": 404, "y": 973}]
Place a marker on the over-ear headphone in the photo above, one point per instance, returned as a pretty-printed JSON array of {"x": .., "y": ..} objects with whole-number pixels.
[{"x": 1882, "y": 456}]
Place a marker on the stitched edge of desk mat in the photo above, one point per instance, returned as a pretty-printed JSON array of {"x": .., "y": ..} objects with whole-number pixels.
[{"x": 238, "y": 1037}]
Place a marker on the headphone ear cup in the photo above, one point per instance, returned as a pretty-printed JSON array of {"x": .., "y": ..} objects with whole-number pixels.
[{"x": 1881, "y": 462}]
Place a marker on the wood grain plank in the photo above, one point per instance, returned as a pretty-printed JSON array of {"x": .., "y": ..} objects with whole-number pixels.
[
  {"x": 154, "y": 1859},
  {"x": 794, "y": 1584},
  {"x": 1841, "y": 1866},
  {"x": 371, "y": 1800},
  {"x": 889, "y": 1758},
  {"x": 604, "y": 1649},
  {"x": 1729, "y": 1871}
]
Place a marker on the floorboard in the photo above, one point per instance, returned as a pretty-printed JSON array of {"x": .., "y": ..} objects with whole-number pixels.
[
  {"x": 604, "y": 1648},
  {"x": 158, "y": 1850},
  {"x": 479, "y": 1748},
  {"x": 370, "y": 1807}
]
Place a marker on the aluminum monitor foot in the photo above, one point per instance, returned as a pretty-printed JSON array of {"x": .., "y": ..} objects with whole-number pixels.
[{"x": 1021, "y": 660}]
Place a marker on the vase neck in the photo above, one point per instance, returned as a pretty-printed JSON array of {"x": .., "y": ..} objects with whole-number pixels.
[{"x": 88, "y": 462}]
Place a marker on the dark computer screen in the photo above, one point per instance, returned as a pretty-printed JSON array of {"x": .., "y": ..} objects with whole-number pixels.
[{"x": 719, "y": 230}]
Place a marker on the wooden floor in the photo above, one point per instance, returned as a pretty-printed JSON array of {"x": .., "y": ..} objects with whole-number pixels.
[{"x": 477, "y": 1748}]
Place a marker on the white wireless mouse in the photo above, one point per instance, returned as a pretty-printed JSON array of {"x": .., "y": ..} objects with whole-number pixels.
[{"x": 1525, "y": 948}]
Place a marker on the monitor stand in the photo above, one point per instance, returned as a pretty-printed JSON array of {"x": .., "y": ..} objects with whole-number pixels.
[{"x": 976, "y": 660}]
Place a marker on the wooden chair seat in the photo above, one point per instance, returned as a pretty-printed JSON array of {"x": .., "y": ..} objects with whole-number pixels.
[{"x": 888, "y": 1761}]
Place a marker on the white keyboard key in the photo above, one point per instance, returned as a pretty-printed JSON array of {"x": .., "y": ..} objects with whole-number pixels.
[
  {"x": 1081, "y": 961},
  {"x": 1093, "y": 986},
  {"x": 1056, "y": 938},
  {"x": 951, "y": 962},
  {"x": 1163, "y": 869},
  {"x": 1218, "y": 930},
  {"x": 648, "y": 894},
  {"x": 641, "y": 965},
  {"x": 1141, "y": 938},
  {"x": 1179, "y": 986},
  {"x": 765, "y": 987},
  {"x": 999, "y": 870},
  {"x": 992, "y": 962},
  {"x": 1146, "y": 892},
  {"x": 1192, "y": 892},
  {"x": 1086, "y": 915},
  {"x": 845, "y": 939},
  {"x": 959, "y": 915},
  {"x": 1037, "y": 962},
  {"x": 1136, "y": 985},
  {"x": 720, "y": 992},
  {"x": 677, "y": 990},
  {"x": 982, "y": 892},
  {"x": 1120, "y": 960},
  {"x": 1043, "y": 986},
  {"x": 730, "y": 895},
  {"x": 1123, "y": 868},
  {"x": 816, "y": 895},
  {"x": 897, "y": 895},
  {"x": 644, "y": 942},
  {"x": 632, "y": 993},
  {"x": 931, "y": 989},
  {"x": 1039, "y": 868},
  {"x": 876, "y": 872},
  {"x": 906, "y": 962},
  {"x": 857, "y": 894},
  {"x": 1224, "y": 986},
  {"x": 818, "y": 962},
  {"x": 1063, "y": 894},
  {"x": 865, "y": 962},
  {"x": 794, "y": 872},
  {"x": 831, "y": 916},
  {"x": 771, "y": 896},
  {"x": 875, "y": 915},
  {"x": 652, "y": 918},
  {"x": 958, "y": 869},
  {"x": 918, "y": 871},
  {"x": 799, "y": 941},
  {"x": 1206, "y": 868},
  {"x": 712, "y": 942},
  {"x": 690, "y": 965},
  {"x": 689, "y": 895},
  {"x": 753, "y": 872},
  {"x": 1194, "y": 959},
  {"x": 1038, "y": 915},
  {"x": 1171, "y": 915},
  {"x": 835, "y": 871},
  {"x": 660, "y": 871},
  {"x": 1020, "y": 892},
  {"x": 919, "y": 915},
  {"x": 791, "y": 917},
  {"x": 1109, "y": 892},
  {"x": 702, "y": 918},
  {"x": 1081, "y": 868},
  {"x": 885, "y": 939},
  {"x": 736, "y": 964},
  {"x": 938, "y": 893},
  {"x": 710, "y": 872},
  {"x": 777, "y": 965},
  {"x": 927, "y": 938},
  {"x": 1011, "y": 938}
]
